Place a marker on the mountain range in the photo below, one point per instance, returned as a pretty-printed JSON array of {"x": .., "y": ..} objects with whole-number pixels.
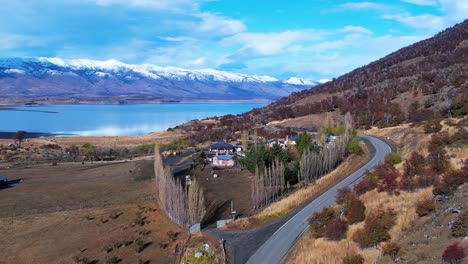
[{"x": 82, "y": 78}]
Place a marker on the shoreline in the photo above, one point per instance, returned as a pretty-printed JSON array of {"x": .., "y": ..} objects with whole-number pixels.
[
  {"x": 30, "y": 135},
  {"x": 6, "y": 103}
]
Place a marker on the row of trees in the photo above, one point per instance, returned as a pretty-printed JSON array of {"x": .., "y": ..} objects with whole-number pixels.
[
  {"x": 183, "y": 203},
  {"x": 315, "y": 164},
  {"x": 268, "y": 185}
]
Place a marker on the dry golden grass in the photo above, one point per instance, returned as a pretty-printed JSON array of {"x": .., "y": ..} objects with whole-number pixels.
[
  {"x": 404, "y": 205},
  {"x": 104, "y": 141},
  {"x": 310, "y": 250},
  {"x": 302, "y": 195},
  {"x": 407, "y": 139}
]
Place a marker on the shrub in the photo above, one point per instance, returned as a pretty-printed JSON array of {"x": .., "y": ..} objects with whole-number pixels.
[
  {"x": 368, "y": 183},
  {"x": 460, "y": 226},
  {"x": 394, "y": 158},
  {"x": 391, "y": 249},
  {"x": 432, "y": 126},
  {"x": 424, "y": 207},
  {"x": 355, "y": 210},
  {"x": 319, "y": 221},
  {"x": 111, "y": 260},
  {"x": 342, "y": 195},
  {"x": 453, "y": 254},
  {"x": 139, "y": 246},
  {"x": 336, "y": 230},
  {"x": 375, "y": 229},
  {"x": 354, "y": 147},
  {"x": 353, "y": 259}
]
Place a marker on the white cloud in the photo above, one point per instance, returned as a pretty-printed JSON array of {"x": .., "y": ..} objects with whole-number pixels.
[
  {"x": 360, "y": 5},
  {"x": 356, "y": 29},
  {"x": 271, "y": 43},
  {"x": 421, "y": 2},
  {"x": 455, "y": 10},
  {"x": 218, "y": 25},
  {"x": 14, "y": 41},
  {"x": 424, "y": 21},
  {"x": 196, "y": 63},
  {"x": 170, "y": 5}
]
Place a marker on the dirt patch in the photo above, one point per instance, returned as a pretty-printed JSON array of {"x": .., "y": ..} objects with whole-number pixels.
[
  {"x": 95, "y": 234},
  {"x": 230, "y": 185},
  {"x": 46, "y": 188}
]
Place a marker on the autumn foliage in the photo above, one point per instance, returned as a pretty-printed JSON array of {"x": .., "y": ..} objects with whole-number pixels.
[
  {"x": 336, "y": 230},
  {"x": 453, "y": 254},
  {"x": 320, "y": 220},
  {"x": 375, "y": 230}
]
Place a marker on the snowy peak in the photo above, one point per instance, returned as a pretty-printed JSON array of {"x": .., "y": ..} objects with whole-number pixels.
[
  {"x": 42, "y": 76},
  {"x": 112, "y": 66},
  {"x": 300, "y": 81}
]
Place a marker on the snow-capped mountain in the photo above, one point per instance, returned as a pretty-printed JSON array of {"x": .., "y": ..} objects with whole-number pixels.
[{"x": 80, "y": 78}]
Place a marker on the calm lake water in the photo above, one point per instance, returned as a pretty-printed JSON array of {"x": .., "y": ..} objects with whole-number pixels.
[{"x": 114, "y": 120}]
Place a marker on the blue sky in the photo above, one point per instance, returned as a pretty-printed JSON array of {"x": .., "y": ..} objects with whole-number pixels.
[{"x": 310, "y": 39}]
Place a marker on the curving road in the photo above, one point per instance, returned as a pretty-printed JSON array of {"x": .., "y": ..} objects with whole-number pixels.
[{"x": 277, "y": 247}]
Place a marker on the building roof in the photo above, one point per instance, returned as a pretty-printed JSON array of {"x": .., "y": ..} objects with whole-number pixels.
[
  {"x": 221, "y": 145},
  {"x": 224, "y": 157},
  {"x": 3, "y": 177}
]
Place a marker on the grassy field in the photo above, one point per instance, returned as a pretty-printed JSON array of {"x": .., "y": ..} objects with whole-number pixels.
[{"x": 68, "y": 211}]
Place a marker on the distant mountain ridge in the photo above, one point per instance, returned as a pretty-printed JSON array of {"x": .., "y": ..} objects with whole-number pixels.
[{"x": 43, "y": 77}]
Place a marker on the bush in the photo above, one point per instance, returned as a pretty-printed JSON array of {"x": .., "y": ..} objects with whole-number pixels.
[
  {"x": 432, "y": 126},
  {"x": 453, "y": 254},
  {"x": 391, "y": 249},
  {"x": 424, "y": 207},
  {"x": 342, "y": 195},
  {"x": 368, "y": 183},
  {"x": 336, "y": 230},
  {"x": 460, "y": 226},
  {"x": 355, "y": 210},
  {"x": 394, "y": 158},
  {"x": 139, "y": 246},
  {"x": 353, "y": 259},
  {"x": 319, "y": 221},
  {"x": 375, "y": 229},
  {"x": 354, "y": 147}
]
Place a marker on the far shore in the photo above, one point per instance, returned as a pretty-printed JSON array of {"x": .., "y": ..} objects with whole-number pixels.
[{"x": 10, "y": 103}]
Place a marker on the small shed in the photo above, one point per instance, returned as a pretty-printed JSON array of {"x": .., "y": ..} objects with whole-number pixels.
[{"x": 223, "y": 161}]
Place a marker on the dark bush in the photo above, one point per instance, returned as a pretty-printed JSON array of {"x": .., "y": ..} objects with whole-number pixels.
[
  {"x": 354, "y": 210},
  {"x": 139, "y": 246},
  {"x": 425, "y": 207},
  {"x": 391, "y": 249},
  {"x": 432, "y": 126},
  {"x": 353, "y": 259},
  {"x": 172, "y": 235},
  {"x": 460, "y": 226},
  {"x": 375, "y": 229},
  {"x": 319, "y": 221},
  {"x": 342, "y": 195},
  {"x": 453, "y": 254},
  {"x": 368, "y": 183},
  {"x": 336, "y": 230}
]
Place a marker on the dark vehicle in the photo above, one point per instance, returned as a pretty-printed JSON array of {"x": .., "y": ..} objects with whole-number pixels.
[{"x": 3, "y": 180}]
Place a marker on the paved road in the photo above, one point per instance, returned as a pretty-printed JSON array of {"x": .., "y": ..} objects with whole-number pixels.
[{"x": 277, "y": 247}]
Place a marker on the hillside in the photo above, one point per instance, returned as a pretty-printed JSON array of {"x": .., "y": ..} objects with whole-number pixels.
[
  {"x": 34, "y": 78},
  {"x": 416, "y": 83}
]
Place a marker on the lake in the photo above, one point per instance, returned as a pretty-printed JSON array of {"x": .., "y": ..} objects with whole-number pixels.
[{"x": 113, "y": 120}]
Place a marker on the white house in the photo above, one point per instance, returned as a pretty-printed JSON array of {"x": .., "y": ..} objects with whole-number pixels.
[{"x": 222, "y": 161}]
